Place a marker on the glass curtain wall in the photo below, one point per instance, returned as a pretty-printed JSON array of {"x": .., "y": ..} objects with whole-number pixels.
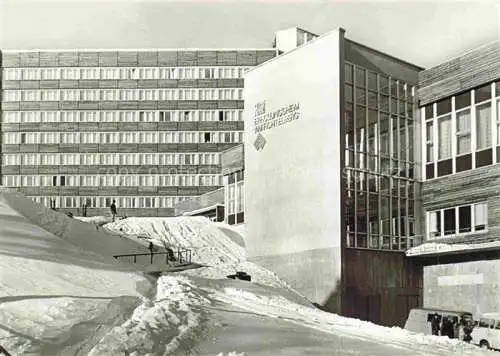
[{"x": 379, "y": 161}]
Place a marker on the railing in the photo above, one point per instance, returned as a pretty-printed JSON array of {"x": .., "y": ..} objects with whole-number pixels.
[{"x": 181, "y": 257}]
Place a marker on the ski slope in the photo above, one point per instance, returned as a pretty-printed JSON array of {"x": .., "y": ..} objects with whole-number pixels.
[{"x": 61, "y": 293}]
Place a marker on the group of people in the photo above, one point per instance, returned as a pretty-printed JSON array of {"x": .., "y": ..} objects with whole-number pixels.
[{"x": 448, "y": 326}]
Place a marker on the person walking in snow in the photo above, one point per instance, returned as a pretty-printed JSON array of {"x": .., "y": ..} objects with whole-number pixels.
[{"x": 112, "y": 207}]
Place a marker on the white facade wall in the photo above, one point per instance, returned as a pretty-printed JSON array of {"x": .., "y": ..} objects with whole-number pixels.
[{"x": 293, "y": 184}]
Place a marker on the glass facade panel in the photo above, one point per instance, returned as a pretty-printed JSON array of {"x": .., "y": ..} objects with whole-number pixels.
[{"x": 379, "y": 164}]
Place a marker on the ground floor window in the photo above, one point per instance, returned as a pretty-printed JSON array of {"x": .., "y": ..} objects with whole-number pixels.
[{"x": 457, "y": 220}]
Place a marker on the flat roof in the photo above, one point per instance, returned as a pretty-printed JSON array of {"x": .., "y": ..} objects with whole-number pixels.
[{"x": 340, "y": 29}]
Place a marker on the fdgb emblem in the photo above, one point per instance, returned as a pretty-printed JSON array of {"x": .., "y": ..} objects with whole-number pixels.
[{"x": 259, "y": 142}]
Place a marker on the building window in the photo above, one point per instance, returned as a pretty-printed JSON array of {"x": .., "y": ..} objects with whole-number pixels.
[
  {"x": 463, "y": 132},
  {"x": 429, "y": 141},
  {"x": 444, "y": 137},
  {"x": 458, "y": 220},
  {"x": 471, "y": 127},
  {"x": 483, "y": 126}
]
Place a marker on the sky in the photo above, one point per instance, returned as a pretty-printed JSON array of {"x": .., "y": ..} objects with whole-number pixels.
[{"x": 425, "y": 33}]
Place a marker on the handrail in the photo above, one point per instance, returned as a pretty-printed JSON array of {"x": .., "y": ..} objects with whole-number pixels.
[{"x": 183, "y": 256}]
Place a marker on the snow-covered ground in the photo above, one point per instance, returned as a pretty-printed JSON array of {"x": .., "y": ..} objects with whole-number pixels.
[{"x": 62, "y": 295}]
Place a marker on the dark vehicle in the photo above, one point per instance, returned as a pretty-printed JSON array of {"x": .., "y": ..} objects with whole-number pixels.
[{"x": 241, "y": 276}]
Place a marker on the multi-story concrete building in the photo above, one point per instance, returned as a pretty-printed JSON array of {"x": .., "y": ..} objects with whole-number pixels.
[{"x": 82, "y": 128}]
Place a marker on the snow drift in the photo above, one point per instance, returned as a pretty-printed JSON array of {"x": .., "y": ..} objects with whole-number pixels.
[
  {"x": 55, "y": 296},
  {"x": 58, "y": 297}
]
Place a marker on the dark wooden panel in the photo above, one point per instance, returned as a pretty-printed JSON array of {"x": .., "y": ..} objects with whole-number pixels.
[
  {"x": 378, "y": 285},
  {"x": 88, "y": 59},
  {"x": 484, "y": 158},
  {"x": 464, "y": 163},
  {"x": 147, "y": 59},
  {"x": 48, "y": 59},
  {"x": 11, "y": 59},
  {"x": 108, "y": 59}
]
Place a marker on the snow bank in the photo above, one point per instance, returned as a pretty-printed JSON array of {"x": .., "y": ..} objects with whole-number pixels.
[
  {"x": 78, "y": 233},
  {"x": 433, "y": 247},
  {"x": 97, "y": 220},
  {"x": 160, "y": 326},
  {"x": 55, "y": 296},
  {"x": 209, "y": 245},
  {"x": 277, "y": 306},
  {"x": 216, "y": 245}
]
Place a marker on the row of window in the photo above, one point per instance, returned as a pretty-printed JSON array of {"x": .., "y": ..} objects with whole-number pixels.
[
  {"x": 92, "y": 73},
  {"x": 136, "y": 159},
  {"x": 361, "y": 77},
  {"x": 130, "y": 137},
  {"x": 121, "y": 94},
  {"x": 460, "y": 131},
  {"x": 122, "y": 202},
  {"x": 16, "y": 117},
  {"x": 459, "y": 220},
  {"x": 108, "y": 180}
]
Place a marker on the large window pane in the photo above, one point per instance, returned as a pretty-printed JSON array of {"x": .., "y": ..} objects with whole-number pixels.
[
  {"x": 434, "y": 224},
  {"x": 480, "y": 216},
  {"x": 360, "y": 77},
  {"x": 384, "y": 84},
  {"x": 348, "y": 73},
  {"x": 483, "y": 126},
  {"x": 464, "y": 219},
  {"x": 463, "y": 132},
  {"x": 444, "y": 137},
  {"x": 372, "y": 81},
  {"x": 498, "y": 120},
  {"x": 450, "y": 227},
  {"x": 360, "y": 96},
  {"x": 429, "y": 135},
  {"x": 348, "y": 92}
]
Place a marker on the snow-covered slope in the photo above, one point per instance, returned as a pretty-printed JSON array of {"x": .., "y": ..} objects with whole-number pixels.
[
  {"x": 56, "y": 297},
  {"x": 209, "y": 245},
  {"x": 218, "y": 246},
  {"x": 78, "y": 233}
]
